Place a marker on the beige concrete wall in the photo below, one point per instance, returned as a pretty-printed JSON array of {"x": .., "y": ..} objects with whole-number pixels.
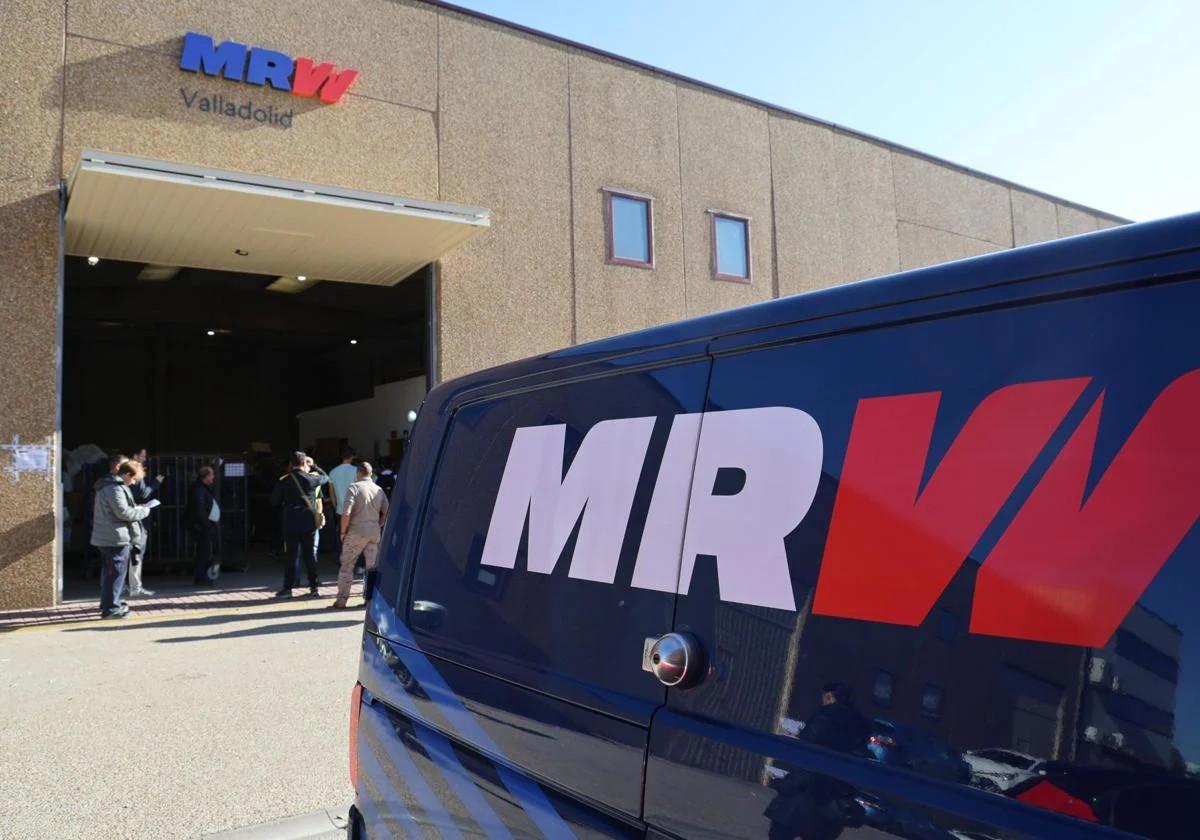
[
  {"x": 392, "y": 42},
  {"x": 125, "y": 91},
  {"x": 725, "y": 164},
  {"x": 31, "y": 45},
  {"x": 508, "y": 293},
  {"x": 944, "y": 214},
  {"x": 455, "y": 108},
  {"x": 835, "y": 207},
  {"x": 624, "y": 135}
]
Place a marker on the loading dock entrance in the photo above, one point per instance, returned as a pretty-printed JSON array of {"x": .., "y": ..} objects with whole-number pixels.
[{"x": 207, "y": 312}]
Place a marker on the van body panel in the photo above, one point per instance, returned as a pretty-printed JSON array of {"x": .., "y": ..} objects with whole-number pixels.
[
  {"x": 1115, "y": 352},
  {"x": 944, "y": 513}
]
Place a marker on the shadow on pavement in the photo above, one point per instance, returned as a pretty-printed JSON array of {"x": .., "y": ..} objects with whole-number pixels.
[
  {"x": 266, "y": 630},
  {"x": 205, "y": 620}
]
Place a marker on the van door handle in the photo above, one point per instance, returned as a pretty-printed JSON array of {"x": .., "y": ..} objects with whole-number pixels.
[{"x": 676, "y": 659}]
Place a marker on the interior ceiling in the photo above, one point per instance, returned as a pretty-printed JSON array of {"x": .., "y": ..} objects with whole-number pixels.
[
  {"x": 151, "y": 212},
  {"x": 117, "y": 294}
]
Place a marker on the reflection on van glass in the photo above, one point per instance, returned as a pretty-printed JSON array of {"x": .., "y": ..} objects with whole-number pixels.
[{"x": 1096, "y": 734}]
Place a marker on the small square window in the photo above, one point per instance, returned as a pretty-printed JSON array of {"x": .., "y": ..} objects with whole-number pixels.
[
  {"x": 630, "y": 222},
  {"x": 881, "y": 689},
  {"x": 931, "y": 701},
  {"x": 731, "y": 247}
]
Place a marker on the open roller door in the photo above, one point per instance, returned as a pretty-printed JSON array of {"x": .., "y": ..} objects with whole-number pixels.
[{"x": 228, "y": 318}]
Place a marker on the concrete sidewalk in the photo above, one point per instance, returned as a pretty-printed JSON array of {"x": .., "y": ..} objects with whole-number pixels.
[
  {"x": 174, "y": 595},
  {"x": 177, "y": 726}
]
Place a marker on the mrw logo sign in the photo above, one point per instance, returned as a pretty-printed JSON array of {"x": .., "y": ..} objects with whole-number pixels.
[
  {"x": 259, "y": 66},
  {"x": 1067, "y": 568}
]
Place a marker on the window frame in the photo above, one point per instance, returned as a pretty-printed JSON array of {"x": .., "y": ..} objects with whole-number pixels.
[
  {"x": 610, "y": 244},
  {"x": 875, "y": 698},
  {"x": 713, "y": 215},
  {"x": 933, "y": 714}
]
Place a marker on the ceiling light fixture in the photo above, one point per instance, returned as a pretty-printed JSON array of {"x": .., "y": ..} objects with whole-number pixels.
[
  {"x": 212, "y": 332},
  {"x": 301, "y": 277},
  {"x": 93, "y": 260},
  {"x": 354, "y": 341}
]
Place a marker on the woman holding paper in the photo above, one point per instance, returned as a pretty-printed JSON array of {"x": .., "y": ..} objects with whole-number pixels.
[{"x": 116, "y": 528}]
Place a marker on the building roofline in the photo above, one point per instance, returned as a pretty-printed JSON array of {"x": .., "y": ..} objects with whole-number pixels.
[{"x": 679, "y": 77}]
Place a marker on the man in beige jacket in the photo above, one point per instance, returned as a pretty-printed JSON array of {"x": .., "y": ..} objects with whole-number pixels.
[{"x": 362, "y": 519}]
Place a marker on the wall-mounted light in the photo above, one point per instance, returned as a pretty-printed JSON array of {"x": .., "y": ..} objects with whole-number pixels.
[
  {"x": 301, "y": 277},
  {"x": 93, "y": 260},
  {"x": 412, "y": 416}
]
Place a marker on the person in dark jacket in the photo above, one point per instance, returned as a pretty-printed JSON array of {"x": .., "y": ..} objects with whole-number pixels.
[
  {"x": 296, "y": 493},
  {"x": 812, "y": 805},
  {"x": 838, "y": 725},
  {"x": 145, "y": 489},
  {"x": 387, "y": 476},
  {"x": 116, "y": 528},
  {"x": 203, "y": 520}
]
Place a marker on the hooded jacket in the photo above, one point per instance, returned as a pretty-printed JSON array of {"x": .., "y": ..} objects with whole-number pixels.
[{"x": 116, "y": 520}]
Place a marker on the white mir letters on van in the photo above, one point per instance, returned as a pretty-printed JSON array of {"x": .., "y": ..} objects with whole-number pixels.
[
  {"x": 779, "y": 453},
  {"x": 777, "y": 450},
  {"x": 600, "y": 485}
]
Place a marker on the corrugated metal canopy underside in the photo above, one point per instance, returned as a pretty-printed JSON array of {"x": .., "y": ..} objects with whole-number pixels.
[{"x": 140, "y": 210}]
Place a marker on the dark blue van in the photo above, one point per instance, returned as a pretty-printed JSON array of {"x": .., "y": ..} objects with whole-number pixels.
[{"x": 911, "y": 557}]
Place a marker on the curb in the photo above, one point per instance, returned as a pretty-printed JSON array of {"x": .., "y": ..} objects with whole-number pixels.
[{"x": 329, "y": 822}]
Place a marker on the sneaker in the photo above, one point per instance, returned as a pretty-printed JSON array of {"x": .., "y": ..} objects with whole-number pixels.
[
  {"x": 337, "y": 605},
  {"x": 142, "y": 593},
  {"x": 115, "y": 614},
  {"x": 313, "y": 592},
  {"x": 284, "y": 593}
]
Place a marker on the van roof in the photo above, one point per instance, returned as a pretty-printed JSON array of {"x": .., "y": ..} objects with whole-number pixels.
[{"x": 1086, "y": 251}]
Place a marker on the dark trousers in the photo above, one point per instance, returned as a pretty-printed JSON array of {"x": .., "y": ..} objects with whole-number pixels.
[
  {"x": 369, "y": 584},
  {"x": 299, "y": 545},
  {"x": 205, "y": 537},
  {"x": 114, "y": 565}
]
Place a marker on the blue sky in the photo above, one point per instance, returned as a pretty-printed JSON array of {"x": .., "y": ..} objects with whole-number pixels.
[{"x": 1091, "y": 101}]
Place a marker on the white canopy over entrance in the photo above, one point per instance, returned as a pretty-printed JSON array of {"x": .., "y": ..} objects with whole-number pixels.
[{"x": 140, "y": 210}]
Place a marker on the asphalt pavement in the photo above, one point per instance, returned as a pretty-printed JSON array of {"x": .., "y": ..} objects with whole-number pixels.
[{"x": 177, "y": 726}]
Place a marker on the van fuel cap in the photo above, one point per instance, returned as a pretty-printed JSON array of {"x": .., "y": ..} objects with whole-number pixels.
[{"x": 676, "y": 659}]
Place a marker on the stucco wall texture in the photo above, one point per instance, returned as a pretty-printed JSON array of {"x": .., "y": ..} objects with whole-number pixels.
[{"x": 452, "y": 107}]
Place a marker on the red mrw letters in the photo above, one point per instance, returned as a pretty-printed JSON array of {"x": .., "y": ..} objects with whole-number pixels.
[
  {"x": 891, "y": 552},
  {"x": 1069, "y": 570},
  {"x": 309, "y": 79},
  {"x": 1066, "y": 570}
]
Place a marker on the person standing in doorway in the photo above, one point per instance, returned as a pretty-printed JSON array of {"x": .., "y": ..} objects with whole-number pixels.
[
  {"x": 116, "y": 527},
  {"x": 296, "y": 493},
  {"x": 143, "y": 490},
  {"x": 387, "y": 476},
  {"x": 203, "y": 520},
  {"x": 340, "y": 479},
  {"x": 365, "y": 511},
  {"x": 309, "y": 465}
]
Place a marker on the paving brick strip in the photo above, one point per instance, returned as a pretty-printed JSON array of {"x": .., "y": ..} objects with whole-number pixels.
[{"x": 163, "y": 603}]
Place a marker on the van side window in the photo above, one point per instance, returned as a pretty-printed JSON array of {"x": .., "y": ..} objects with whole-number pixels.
[{"x": 532, "y": 528}]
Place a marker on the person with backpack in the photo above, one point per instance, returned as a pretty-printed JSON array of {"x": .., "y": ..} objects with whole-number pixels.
[{"x": 296, "y": 494}]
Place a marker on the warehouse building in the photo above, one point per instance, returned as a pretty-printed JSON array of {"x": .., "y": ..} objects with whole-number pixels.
[{"x": 227, "y": 226}]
